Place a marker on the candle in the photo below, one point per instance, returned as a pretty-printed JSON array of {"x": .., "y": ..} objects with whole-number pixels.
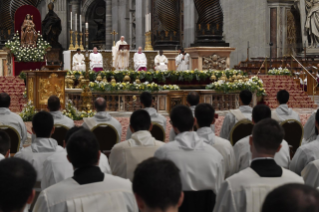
[
  {"x": 76, "y": 22},
  {"x": 80, "y": 23},
  {"x": 146, "y": 23},
  {"x": 71, "y": 20},
  {"x": 150, "y": 21},
  {"x": 86, "y": 25}
]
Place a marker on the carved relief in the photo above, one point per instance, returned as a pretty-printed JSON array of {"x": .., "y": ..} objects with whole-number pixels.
[
  {"x": 214, "y": 62},
  {"x": 291, "y": 33},
  {"x": 51, "y": 86},
  {"x": 30, "y": 89}
]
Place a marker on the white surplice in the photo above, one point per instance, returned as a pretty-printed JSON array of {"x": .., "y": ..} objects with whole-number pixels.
[
  {"x": 57, "y": 168},
  {"x": 243, "y": 154},
  {"x": 59, "y": 118},
  {"x": 2, "y": 157},
  {"x": 309, "y": 130},
  {"x": 310, "y": 174},
  {"x": 182, "y": 62},
  {"x": 140, "y": 61},
  {"x": 15, "y": 121},
  {"x": 223, "y": 146},
  {"x": 120, "y": 58},
  {"x": 38, "y": 152},
  {"x": 96, "y": 60},
  {"x": 283, "y": 113},
  {"x": 155, "y": 117},
  {"x": 78, "y": 63},
  {"x": 304, "y": 155},
  {"x": 246, "y": 190},
  {"x": 126, "y": 155},
  {"x": 201, "y": 165},
  {"x": 112, "y": 194},
  {"x": 104, "y": 117},
  {"x": 230, "y": 120},
  {"x": 161, "y": 62}
]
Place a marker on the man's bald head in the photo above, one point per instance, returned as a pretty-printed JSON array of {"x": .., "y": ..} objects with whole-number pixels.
[{"x": 100, "y": 104}]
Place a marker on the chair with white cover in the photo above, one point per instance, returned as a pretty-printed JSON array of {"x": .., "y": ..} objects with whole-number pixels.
[
  {"x": 241, "y": 129},
  {"x": 107, "y": 137},
  {"x": 310, "y": 174},
  {"x": 59, "y": 133},
  {"x": 293, "y": 134},
  {"x": 14, "y": 138}
]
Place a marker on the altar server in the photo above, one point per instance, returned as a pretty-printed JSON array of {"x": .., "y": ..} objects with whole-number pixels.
[
  {"x": 306, "y": 153},
  {"x": 242, "y": 148},
  {"x": 140, "y": 60},
  {"x": 309, "y": 130},
  {"x": 5, "y": 144},
  {"x": 182, "y": 61},
  {"x": 125, "y": 156},
  {"x": 146, "y": 101},
  {"x": 96, "y": 63},
  {"x": 282, "y": 112},
  {"x": 161, "y": 62},
  {"x": 54, "y": 107},
  {"x": 246, "y": 190},
  {"x": 43, "y": 146},
  {"x": 78, "y": 61},
  {"x": 89, "y": 189},
  {"x": 57, "y": 168},
  {"x": 102, "y": 117},
  {"x": 17, "y": 179},
  {"x": 243, "y": 112},
  {"x": 201, "y": 165},
  {"x": 205, "y": 116},
  {"x": 12, "y": 119},
  {"x": 157, "y": 186},
  {"x": 121, "y": 58}
]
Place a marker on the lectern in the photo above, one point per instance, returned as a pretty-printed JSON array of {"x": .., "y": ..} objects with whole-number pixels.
[{"x": 43, "y": 84}]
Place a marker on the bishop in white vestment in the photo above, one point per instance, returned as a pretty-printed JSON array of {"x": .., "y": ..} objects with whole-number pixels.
[
  {"x": 96, "y": 63},
  {"x": 120, "y": 57},
  {"x": 161, "y": 62},
  {"x": 78, "y": 63},
  {"x": 182, "y": 61},
  {"x": 140, "y": 60}
]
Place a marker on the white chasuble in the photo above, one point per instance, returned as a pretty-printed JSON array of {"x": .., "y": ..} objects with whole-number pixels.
[
  {"x": 78, "y": 63},
  {"x": 140, "y": 61},
  {"x": 121, "y": 58},
  {"x": 161, "y": 63},
  {"x": 182, "y": 62},
  {"x": 96, "y": 61}
]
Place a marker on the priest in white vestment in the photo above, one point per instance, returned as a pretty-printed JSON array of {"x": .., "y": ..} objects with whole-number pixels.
[
  {"x": 96, "y": 61},
  {"x": 89, "y": 189},
  {"x": 182, "y": 61},
  {"x": 121, "y": 58},
  {"x": 140, "y": 60},
  {"x": 78, "y": 63},
  {"x": 146, "y": 101},
  {"x": 4, "y": 145},
  {"x": 247, "y": 190},
  {"x": 161, "y": 62},
  {"x": 243, "y": 112},
  {"x": 12, "y": 119},
  {"x": 242, "y": 148},
  {"x": 205, "y": 116},
  {"x": 54, "y": 106},
  {"x": 309, "y": 130},
  {"x": 283, "y": 112},
  {"x": 201, "y": 165},
  {"x": 57, "y": 168},
  {"x": 126, "y": 155},
  {"x": 102, "y": 117}
]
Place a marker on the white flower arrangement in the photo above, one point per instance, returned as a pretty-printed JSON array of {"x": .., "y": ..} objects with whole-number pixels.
[{"x": 279, "y": 71}]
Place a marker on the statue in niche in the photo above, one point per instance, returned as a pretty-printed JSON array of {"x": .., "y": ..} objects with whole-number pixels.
[
  {"x": 29, "y": 35},
  {"x": 312, "y": 21},
  {"x": 100, "y": 35},
  {"x": 51, "y": 27}
]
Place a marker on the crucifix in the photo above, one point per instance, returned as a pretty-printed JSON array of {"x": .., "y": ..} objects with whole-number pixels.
[
  {"x": 247, "y": 51},
  {"x": 114, "y": 33}
]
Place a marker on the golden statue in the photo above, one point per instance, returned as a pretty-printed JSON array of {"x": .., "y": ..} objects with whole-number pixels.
[{"x": 29, "y": 35}]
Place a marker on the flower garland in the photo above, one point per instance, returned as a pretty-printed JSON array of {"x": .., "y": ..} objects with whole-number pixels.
[
  {"x": 29, "y": 53},
  {"x": 279, "y": 71},
  {"x": 28, "y": 112},
  {"x": 71, "y": 112}
]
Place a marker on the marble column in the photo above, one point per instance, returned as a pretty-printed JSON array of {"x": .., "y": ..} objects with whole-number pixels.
[
  {"x": 108, "y": 24},
  {"x": 115, "y": 17},
  {"x": 140, "y": 28},
  {"x": 189, "y": 23}
]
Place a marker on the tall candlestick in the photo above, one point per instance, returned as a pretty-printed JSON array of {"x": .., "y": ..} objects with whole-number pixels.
[
  {"x": 71, "y": 20},
  {"x": 86, "y": 25},
  {"x": 76, "y": 22},
  {"x": 80, "y": 23}
]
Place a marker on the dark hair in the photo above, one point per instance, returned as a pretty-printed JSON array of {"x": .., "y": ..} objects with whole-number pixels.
[
  {"x": 140, "y": 120},
  {"x": 5, "y": 142},
  {"x": 70, "y": 132},
  {"x": 182, "y": 118},
  {"x": 292, "y": 197},
  {"x": 193, "y": 98},
  {"x": 268, "y": 135},
  {"x": 204, "y": 114},
  {"x": 78, "y": 50},
  {"x": 5, "y": 100},
  {"x": 246, "y": 96},
  {"x": 100, "y": 104},
  {"x": 146, "y": 99},
  {"x": 83, "y": 149},
  {"x": 17, "y": 178},
  {"x": 317, "y": 116},
  {"x": 54, "y": 103},
  {"x": 42, "y": 124},
  {"x": 158, "y": 183},
  {"x": 261, "y": 112},
  {"x": 283, "y": 96}
]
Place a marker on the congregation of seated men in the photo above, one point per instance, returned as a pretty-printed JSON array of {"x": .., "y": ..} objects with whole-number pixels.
[{"x": 195, "y": 171}]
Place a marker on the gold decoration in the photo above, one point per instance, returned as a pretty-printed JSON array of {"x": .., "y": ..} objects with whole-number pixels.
[
  {"x": 214, "y": 62},
  {"x": 213, "y": 77},
  {"x": 29, "y": 35},
  {"x": 113, "y": 81},
  {"x": 99, "y": 78},
  {"x": 114, "y": 33},
  {"x": 127, "y": 78},
  {"x": 239, "y": 77},
  {"x": 68, "y": 81},
  {"x": 76, "y": 41},
  {"x": 148, "y": 41},
  {"x": 104, "y": 80},
  {"x": 138, "y": 81},
  {"x": 80, "y": 81},
  {"x": 223, "y": 77},
  {"x": 30, "y": 89},
  {"x": 81, "y": 42},
  {"x": 50, "y": 86},
  {"x": 86, "y": 95},
  {"x": 71, "y": 47}
]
